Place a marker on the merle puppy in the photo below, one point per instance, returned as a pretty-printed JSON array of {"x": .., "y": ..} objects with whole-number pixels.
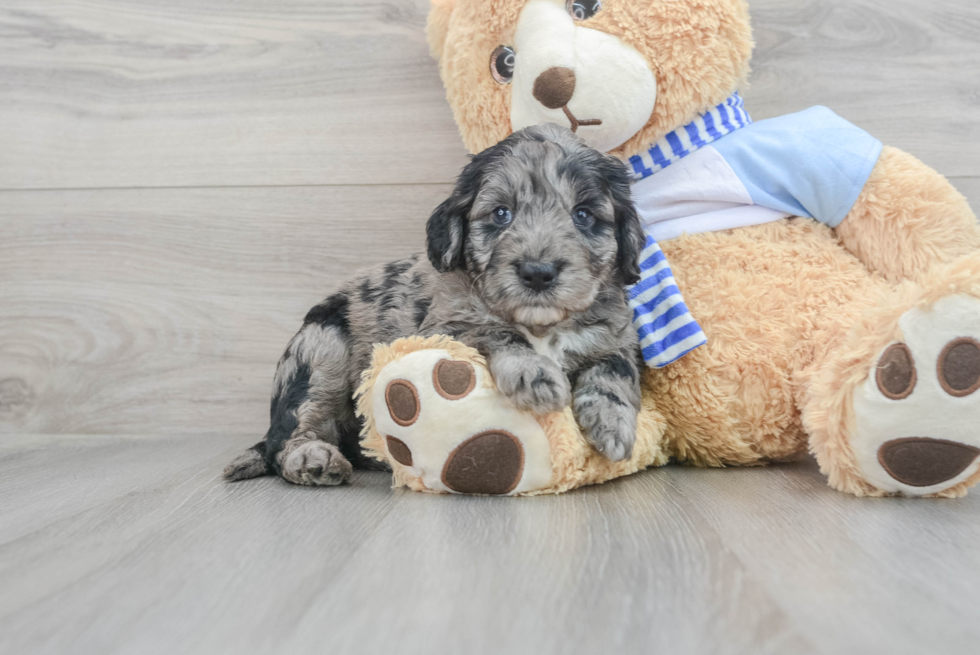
[{"x": 526, "y": 263}]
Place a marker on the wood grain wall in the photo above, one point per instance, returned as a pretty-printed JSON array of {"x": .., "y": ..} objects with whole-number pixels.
[{"x": 180, "y": 180}]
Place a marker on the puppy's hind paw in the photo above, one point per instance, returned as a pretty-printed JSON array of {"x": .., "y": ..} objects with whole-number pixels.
[
  {"x": 532, "y": 382},
  {"x": 315, "y": 463}
]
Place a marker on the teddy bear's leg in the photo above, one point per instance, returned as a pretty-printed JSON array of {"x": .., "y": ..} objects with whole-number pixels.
[
  {"x": 438, "y": 419},
  {"x": 737, "y": 399},
  {"x": 896, "y": 408},
  {"x": 908, "y": 219},
  {"x": 433, "y": 411}
]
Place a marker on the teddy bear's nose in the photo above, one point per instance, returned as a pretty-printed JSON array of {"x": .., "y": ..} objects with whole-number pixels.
[{"x": 554, "y": 87}]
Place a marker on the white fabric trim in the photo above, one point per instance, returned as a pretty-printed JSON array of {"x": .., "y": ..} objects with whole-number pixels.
[
  {"x": 699, "y": 193},
  {"x": 726, "y": 219}
]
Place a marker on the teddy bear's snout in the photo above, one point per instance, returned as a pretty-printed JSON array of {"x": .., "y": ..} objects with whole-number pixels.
[{"x": 554, "y": 87}]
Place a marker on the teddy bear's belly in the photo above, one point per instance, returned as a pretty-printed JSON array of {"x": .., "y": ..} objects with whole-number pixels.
[{"x": 772, "y": 299}]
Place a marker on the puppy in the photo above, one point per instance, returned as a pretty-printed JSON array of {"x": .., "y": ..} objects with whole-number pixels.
[{"x": 527, "y": 261}]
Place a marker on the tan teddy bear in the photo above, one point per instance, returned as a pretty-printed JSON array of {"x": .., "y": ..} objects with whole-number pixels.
[{"x": 837, "y": 281}]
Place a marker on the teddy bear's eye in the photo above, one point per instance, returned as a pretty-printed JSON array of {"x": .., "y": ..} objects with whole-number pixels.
[
  {"x": 583, "y": 9},
  {"x": 502, "y": 64}
]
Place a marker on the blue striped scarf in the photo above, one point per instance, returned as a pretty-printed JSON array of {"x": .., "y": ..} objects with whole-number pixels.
[
  {"x": 706, "y": 128},
  {"x": 666, "y": 328}
]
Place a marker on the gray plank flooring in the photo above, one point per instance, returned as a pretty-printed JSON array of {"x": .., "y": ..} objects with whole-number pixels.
[
  {"x": 132, "y": 544},
  {"x": 180, "y": 181}
]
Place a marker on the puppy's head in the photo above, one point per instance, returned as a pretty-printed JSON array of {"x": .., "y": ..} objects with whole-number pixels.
[{"x": 541, "y": 222}]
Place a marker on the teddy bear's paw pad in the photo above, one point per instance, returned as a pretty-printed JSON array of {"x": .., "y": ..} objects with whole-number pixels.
[
  {"x": 403, "y": 402},
  {"x": 896, "y": 375},
  {"x": 444, "y": 423},
  {"x": 399, "y": 451},
  {"x": 924, "y": 462},
  {"x": 917, "y": 417},
  {"x": 453, "y": 380},
  {"x": 489, "y": 463},
  {"x": 959, "y": 367}
]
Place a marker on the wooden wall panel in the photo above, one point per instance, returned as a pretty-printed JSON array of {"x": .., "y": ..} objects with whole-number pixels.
[
  {"x": 146, "y": 93},
  {"x": 166, "y": 310}
]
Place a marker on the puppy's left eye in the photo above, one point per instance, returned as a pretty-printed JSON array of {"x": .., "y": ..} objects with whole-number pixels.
[
  {"x": 502, "y": 216},
  {"x": 583, "y": 218},
  {"x": 583, "y": 9}
]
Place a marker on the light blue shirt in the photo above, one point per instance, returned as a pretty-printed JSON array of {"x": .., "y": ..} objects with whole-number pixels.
[{"x": 812, "y": 164}]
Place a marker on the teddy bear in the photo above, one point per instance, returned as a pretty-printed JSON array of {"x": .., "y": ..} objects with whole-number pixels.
[{"x": 835, "y": 280}]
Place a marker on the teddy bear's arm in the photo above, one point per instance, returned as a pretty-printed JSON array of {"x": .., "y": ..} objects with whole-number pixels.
[
  {"x": 908, "y": 219},
  {"x": 897, "y": 215}
]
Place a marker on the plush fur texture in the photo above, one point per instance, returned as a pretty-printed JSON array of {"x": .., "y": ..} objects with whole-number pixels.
[
  {"x": 796, "y": 314},
  {"x": 908, "y": 220}
]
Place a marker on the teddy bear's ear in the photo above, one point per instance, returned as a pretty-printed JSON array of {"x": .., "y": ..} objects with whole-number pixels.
[{"x": 438, "y": 25}]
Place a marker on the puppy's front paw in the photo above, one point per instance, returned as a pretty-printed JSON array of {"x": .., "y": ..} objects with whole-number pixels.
[
  {"x": 609, "y": 422},
  {"x": 315, "y": 463},
  {"x": 532, "y": 382}
]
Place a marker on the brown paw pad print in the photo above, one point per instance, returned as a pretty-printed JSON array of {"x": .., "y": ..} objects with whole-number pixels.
[
  {"x": 959, "y": 367},
  {"x": 403, "y": 402},
  {"x": 924, "y": 462},
  {"x": 896, "y": 375},
  {"x": 453, "y": 380},
  {"x": 488, "y": 463},
  {"x": 399, "y": 451}
]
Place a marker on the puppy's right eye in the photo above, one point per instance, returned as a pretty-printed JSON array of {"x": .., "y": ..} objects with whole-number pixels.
[
  {"x": 502, "y": 216},
  {"x": 502, "y": 63},
  {"x": 583, "y": 218}
]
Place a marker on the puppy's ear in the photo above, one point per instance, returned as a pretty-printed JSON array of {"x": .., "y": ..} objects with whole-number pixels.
[
  {"x": 629, "y": 233},
  {"x": 446, "y": 234},
  {"x": 448, "y": 226},
  {"x": 632, "y": 240}
]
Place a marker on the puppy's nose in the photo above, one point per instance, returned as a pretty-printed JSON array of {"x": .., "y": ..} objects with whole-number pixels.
[
  {"x": 537, "y": 276},
  {"x": 554, "y": 87}
]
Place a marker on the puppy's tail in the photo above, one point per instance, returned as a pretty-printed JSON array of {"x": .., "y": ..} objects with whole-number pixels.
[{"x": 250, "y": 464}]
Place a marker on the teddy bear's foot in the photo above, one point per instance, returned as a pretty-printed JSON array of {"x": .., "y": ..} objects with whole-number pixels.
[
  {"x": 917, "y": 416},
  {"x": 444, "y": 425}
]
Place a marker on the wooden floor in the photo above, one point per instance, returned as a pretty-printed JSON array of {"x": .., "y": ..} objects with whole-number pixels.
[
  {"x": 134, "y": 545},
  {"x": 180, "y": 180}
]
